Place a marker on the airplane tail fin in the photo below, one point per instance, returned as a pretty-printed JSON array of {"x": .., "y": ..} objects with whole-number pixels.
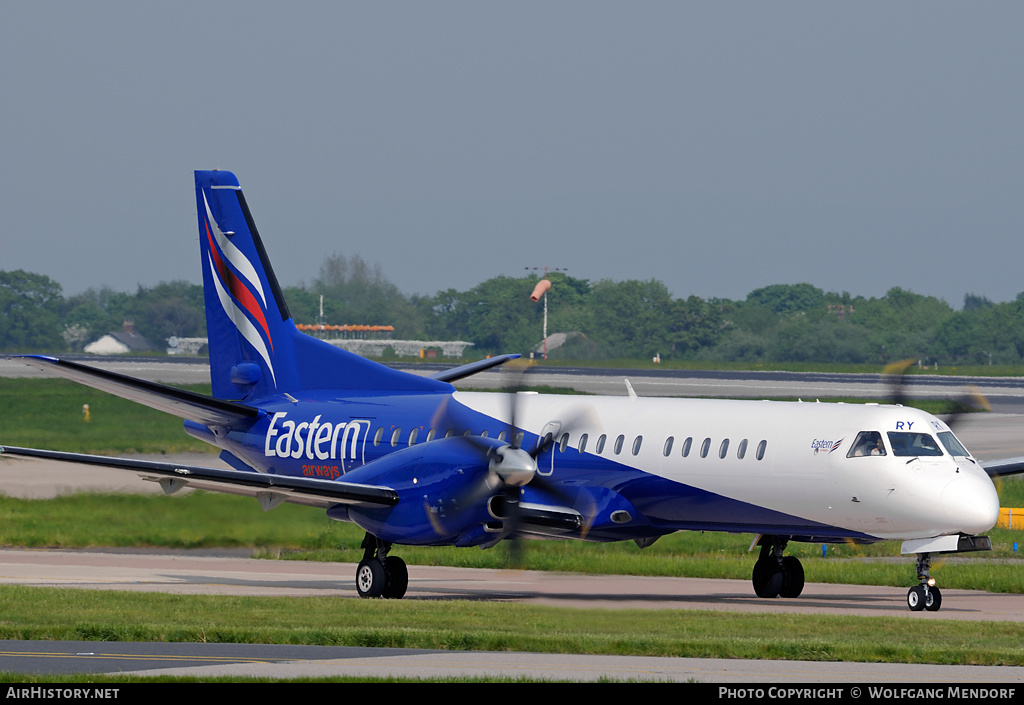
[{"x": 255, "y": 349}]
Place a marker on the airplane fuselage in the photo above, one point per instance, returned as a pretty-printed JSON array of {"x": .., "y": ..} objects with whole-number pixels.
[{"x": 786, "y": 468}]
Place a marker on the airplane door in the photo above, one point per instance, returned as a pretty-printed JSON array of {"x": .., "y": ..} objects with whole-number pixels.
[{"x": 553, "y": 428}]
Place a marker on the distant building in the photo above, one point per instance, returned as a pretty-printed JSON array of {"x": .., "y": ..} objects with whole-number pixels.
[
  {"x": 366, "y": 340},
  {"x": 124, "y": 341},
  {"x": 371, "y": 341}
]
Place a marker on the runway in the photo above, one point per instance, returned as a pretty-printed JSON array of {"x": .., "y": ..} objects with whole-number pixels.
[
  {"x": 282, "y": 661},
  {"x": 216, "y": 572}
]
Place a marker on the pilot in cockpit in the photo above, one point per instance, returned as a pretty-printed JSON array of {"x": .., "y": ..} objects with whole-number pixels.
[{"x": 867, "y": 443}]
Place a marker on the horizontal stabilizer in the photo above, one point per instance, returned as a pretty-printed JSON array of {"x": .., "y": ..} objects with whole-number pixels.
[
  {"x": 282, "y": 488},
  {"x": 178, "y": 402},
  {"x": 1006, "y": 466},
  {"x": 472, "y": 368}
]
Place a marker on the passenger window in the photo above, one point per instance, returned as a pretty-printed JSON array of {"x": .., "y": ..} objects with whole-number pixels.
[
  {"x": 636, "y": 444},
  {"x": 866, "y": 443},
  {"x": 378, "y": 436},
  {"x": 741, "y": 450},
  {"x": 705, "y": 447},
  {"x": 723, "y": 449},
  {"x": 686, "y": 446},
  {"x": 485, "y": 433},
  {"x": 618, "y": 444},
  {"x": 501, "y": 436},
  {"x": 394, "y": 437},
  {"x": 412, "y": 436},
  {"x": 760, "y": 449},
  {"x": 583, "y": 443},
  {"x": 431, "y": 434},
  {"x": 449, "y": 433},
  {"x": 668, "y": 446},
  {"x": 564, "y": 443},
  {"x": 519, "y": 439},
  {"x": 600, "y": 443}
]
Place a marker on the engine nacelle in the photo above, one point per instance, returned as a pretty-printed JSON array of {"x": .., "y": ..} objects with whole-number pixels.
[{"x": 443, "y": 487}]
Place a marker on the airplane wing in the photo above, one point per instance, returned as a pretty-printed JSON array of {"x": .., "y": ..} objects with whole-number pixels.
[
  {"x": 539, "y": 521},
  {"x": 1005, "y": 466},
  {"x": 271, "y": 489},
  {"x": 178, "y": 402}
]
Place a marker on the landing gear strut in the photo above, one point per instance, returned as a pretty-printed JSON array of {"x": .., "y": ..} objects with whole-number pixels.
[
  {"x": 776, "y": 575},
  {"x": 378, "y": 575},
  {"x": 925, "y": 595}
]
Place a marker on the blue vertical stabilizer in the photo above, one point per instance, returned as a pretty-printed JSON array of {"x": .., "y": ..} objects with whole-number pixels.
[{"x": 255, "y": 349}]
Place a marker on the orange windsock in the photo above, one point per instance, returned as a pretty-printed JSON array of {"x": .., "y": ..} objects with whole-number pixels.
[{"x": 538, "y": 291}]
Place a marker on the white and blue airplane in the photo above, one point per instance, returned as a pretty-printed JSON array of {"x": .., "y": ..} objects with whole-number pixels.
[{"x": 412, "y": 461}]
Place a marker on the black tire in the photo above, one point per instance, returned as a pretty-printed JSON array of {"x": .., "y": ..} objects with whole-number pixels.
[
  {"x": 767, "y": 579},
  {"x": 370, "y": 578},
  {"x": 792, "y": 577},
  {"x": 933, "y": 601},
  {"x": 915, "y": 598},
  {"x": 397, "y": 581}
]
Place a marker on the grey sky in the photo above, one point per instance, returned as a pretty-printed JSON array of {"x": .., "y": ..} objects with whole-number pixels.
[{"x": 717, "y": 147}]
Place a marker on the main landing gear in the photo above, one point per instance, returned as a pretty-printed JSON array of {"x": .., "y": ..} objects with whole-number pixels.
[
  {"x": 378, "y": 575},
  {"x": 776, "y": 575},
  {"x": 925, "y": 595}
]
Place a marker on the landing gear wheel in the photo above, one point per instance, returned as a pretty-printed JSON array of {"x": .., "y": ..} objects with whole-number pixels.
[
  {"x": 916, "y": 598},
  {"x": 371, "y": 579},
  {"x": 767, "y": 579},
  {"x": 792, "y": 577},
  {"x": 925, "y": 595},
  {"x": 397, "y": 579}
]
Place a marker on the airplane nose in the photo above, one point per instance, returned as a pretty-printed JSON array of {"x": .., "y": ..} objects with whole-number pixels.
[{"x": 971, "y": 503}]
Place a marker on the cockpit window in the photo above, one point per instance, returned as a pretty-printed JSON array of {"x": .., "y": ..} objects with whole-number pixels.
[
  {"x": 952, "y": 445},
  {"x": 907, "y": 444},
  {"x": 867, "y": 443}
]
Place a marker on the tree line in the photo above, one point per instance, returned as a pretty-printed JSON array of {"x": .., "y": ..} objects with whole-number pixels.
[{"x": 605, "y": 319}]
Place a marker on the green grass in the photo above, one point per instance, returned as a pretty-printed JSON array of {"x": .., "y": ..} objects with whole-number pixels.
[
  {"x": 29, "y": 613},
  {"x": 47, "y": 413},
  {"x": 190, "y": 520}
]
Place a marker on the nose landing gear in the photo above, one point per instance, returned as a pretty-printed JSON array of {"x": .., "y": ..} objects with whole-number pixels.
[{"x": 925, "y": 595}]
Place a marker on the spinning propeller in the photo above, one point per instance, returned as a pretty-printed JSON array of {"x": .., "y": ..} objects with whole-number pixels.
[
  {"x": 512, "y": 467},
  {"x": 971, "y": 399}
]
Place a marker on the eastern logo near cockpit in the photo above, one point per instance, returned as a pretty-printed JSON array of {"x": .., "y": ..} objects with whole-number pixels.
[{"x": 821, "y": 445}]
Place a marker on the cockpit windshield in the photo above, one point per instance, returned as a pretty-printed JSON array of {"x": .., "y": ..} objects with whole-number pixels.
[
  {"x": 907, "y": 444},
  {"x": 952, "y": 445},
  {"x": 866, "y": 443}
]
